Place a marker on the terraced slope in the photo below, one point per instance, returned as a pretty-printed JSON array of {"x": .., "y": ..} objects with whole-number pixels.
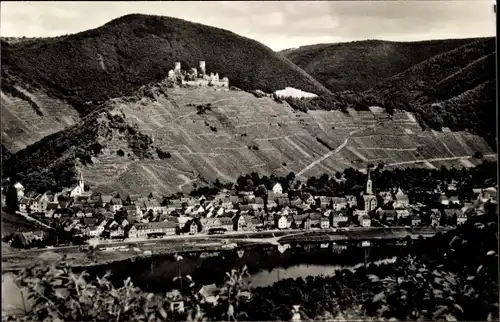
[
  {"x": 242, "y": 134},
  {"x": 28, "y": 119}
]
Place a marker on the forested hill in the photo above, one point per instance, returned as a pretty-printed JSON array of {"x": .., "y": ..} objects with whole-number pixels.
[
  {"x": 455, "y": 89},
  {"x": 126, "y": 53},
  {"x": 446, "y": 83},
  {"x": 360, "y": 65}
]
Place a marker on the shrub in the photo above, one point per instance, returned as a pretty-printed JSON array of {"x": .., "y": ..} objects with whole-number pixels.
[
  {"x": 59, "y": 294},
  {"x": 162, "y": 154}
]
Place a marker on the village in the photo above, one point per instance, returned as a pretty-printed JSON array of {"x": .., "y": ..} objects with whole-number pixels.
[{"x": 80, "y": 216}]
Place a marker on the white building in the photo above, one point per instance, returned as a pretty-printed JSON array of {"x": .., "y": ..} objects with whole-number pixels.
[
  {"x": 277, "y": 189},
  {"x": 369, "y": 199},
  {"x": 20, "y": 190},
  {"x": 79, "y": 188}
]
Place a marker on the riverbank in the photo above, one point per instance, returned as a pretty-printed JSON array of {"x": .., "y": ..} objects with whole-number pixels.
[{"x": 109, "y": 252}]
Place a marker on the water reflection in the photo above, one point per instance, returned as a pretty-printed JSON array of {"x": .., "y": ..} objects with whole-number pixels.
[{"x": 266, "y": 264}]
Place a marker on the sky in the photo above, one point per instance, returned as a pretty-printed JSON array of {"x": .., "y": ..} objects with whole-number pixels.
[{"x": 277, "y": 24}]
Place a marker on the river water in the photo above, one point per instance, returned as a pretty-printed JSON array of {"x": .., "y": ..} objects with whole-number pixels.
[{"x": 266, "y": 265}]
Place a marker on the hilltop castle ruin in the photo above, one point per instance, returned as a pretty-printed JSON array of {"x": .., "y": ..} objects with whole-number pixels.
[{"x": 193, "y": 78}]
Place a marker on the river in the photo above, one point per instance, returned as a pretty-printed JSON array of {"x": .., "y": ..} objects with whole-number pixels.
[{"x": 266, "y": 265}]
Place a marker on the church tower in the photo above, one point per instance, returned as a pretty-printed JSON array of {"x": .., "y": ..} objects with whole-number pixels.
[
  {"x": 81, "y": 183},
  {"x": 177, "y": 68},
  {"x": 369, "y": 188},
  {"x": 202, "y": 68}
]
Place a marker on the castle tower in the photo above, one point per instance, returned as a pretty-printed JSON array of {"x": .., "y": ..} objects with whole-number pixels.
[
  {"x": 177, "y": 68},
  {"x": 202, "y": 68},
  {"x": 369, "y": 188}
]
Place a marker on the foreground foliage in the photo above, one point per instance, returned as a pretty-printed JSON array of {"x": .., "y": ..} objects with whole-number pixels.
[{"x": 452, "y": 276}]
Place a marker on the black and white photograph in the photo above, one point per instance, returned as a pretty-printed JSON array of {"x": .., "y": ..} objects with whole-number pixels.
[{"x": 249, "y": 161}]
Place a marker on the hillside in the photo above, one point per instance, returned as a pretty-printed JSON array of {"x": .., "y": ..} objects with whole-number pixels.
[
  {"x": 455, "y": 89},
  {"x": 117, "y": 58},
  {"x": 360, "y": 65},
  {"x": 169, "y": 139},
  {"x": 30, "y": 115}
]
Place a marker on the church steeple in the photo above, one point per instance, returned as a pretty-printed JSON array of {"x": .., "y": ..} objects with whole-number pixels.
[
  {"x": 81, "y": 183},
  {"x": 369, "y": 188}
]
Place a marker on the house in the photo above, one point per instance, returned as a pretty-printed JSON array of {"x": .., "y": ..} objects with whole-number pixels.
[
  {"x": 277, "y": 189},
  {"x": 252, "y": 222},
  {"x": 209, "y": 293},
  {"x": 351, "y": 200},
  {"x": 39, "y": 203},
  {"x": 117, "y": 232},
  {"x": 415, "y": 220},
  {"x": 104, "y": 200},
  {"x": 323, "y": 202},
  {"x": 444, "y": 200},
  {"x": 369, "y": 202},
  {"x": 78, "y": 189},
  {"x": 30, "y": 237},
  {"x": 259, "y": 201},
  {"x": 145, "y": 229},
  {"x": 461, "y": 218},
  {"x": 24, "y": 204},
  {"x": 386, "y": 197},
  {"x": 64, "y": 204},
  {"x": 389, "y": 217},
  {"x": 210, "y": 223},
  {"x": 401, "y": 199},
  {"x": 339, "y": 203},
  {"x": 152, "y": 205},
  {"x": 239, "y": 222},
  {"x": 365, "y": 221},
  {"x": 116, "y": 204},
  {"x": 298, "y": 221},
  {"x": 226, "y": 223},
  {"x": 309, "y": 199},
  {"x": 336, "y": 218},
  {"x": 283, "y": 201},
  {"x": 488, "y": 194},
  {"x": 402, "y": 213},
  {"x": 295, "y": 202},
  {"x": 132, "y": 199},
  {"x": 95, "y": 230},
  {"x": 454, "y": 200},
  {"x": 281, "y": 222},
  {"x": 191, "y": 226},
  {"x": 325, "y": 223},
  {"x": 132, "y": 209},
  {"x": 452, "y": 215},
  {"x": 19, "y": 189},
  {"x": 359, "y": 212},
  {"x": 313, "y": 220}
]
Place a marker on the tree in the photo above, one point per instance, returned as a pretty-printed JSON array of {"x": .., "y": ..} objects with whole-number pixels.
[{"x": 11, "y": 201}]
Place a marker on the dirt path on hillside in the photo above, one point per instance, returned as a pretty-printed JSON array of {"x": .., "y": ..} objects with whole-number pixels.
[
  {"x": 436, "y": 160},
  {"x": 329, "y": 154}
]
